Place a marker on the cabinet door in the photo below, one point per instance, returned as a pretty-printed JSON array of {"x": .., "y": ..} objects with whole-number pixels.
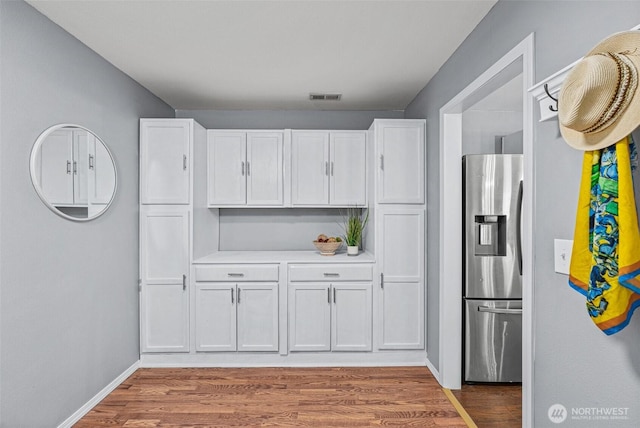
[
  {"x": 257, "y": 317},
  {"x": 401, "y": 162},
  {"x": 164, "y": 246},
  {"x": 310, "y": 168},
  {"x": 351, "y": 317},
  {"x": 226, "y": 168},
  {"x": 56, "y": 167},
  {"x": 215, "y": 317},
  {"x": 164, "y": 318},
  {"x": 164, "y": 266},
  {"x": 348, "y": 183},
  {"x": 104, "y": 174},
  {"x": 81, "y": 142},
  {"x": 400, "y": 242},
  {"x": 402, "y": 315},
  {"x": 310, "y": 317},
  {"x": 264, "y": 168},
  {"x": 164, "y": 161}
]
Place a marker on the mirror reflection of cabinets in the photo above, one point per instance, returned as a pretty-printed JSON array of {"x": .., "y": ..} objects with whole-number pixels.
[{"x": 73, "y": 172}]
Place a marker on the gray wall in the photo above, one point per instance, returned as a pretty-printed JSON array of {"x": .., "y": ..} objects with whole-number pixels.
[
  {"x": 287, "y": 119},
  {"x": 575, "y": 364},
  {"x": 69, "y": 314}
]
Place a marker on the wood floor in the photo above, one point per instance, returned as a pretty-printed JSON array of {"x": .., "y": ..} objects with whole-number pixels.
[
  {"x": 319, "y": 397},
  {"x": 492, "y": 406}
]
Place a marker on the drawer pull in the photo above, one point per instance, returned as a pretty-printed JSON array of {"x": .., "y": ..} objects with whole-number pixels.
[
  {"x": 331, "y": 274},
  {"x": 382, "y": 280},
  {"x": 235, "y": 275},
  {"x": 184, "y": 282}
]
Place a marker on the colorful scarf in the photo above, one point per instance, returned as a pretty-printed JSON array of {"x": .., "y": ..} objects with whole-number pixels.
[{"x": 605, "y": 260}]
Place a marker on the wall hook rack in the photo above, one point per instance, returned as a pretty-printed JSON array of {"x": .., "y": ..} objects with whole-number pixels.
[{"x": 551, "y": 107}]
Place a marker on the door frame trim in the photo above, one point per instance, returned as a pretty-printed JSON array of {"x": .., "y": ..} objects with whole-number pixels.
[{"x": 450, "y": 233}]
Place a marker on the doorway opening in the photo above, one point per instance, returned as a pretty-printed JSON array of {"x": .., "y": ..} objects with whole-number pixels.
[{"x": 515, "y": 69}]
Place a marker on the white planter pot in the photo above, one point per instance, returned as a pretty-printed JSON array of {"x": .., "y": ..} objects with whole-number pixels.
[{"x": 352, "y": 250}]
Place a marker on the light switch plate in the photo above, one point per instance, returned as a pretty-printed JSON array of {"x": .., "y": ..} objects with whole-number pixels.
[{"x": 562, "y": 255}]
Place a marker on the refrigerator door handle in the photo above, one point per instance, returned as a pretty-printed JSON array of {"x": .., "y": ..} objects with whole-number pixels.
[
  {"x": 504, "y": 311},
  {"x": 519, "y": 229}
]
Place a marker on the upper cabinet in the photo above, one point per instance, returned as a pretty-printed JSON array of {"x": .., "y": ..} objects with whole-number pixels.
[
  {"x": 328, "y": 168},
  {"x": 74, "y": 169},
  {"x": 165, "y": 161},
  {"x": 400, "y": 158},
  {"x": 245, "y": 168}
]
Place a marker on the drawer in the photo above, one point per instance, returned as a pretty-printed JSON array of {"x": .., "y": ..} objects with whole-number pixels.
[
  {"x": 328, "y": 272},
  {"x": 237, "y": 273}
]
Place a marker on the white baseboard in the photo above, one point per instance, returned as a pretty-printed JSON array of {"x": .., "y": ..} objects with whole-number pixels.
[
  {"x": 99, "y": 396},
  {"x": 433, "y": 370}
]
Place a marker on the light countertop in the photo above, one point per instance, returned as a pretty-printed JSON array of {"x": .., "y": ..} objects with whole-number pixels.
[{"x": 283, "y": 256}]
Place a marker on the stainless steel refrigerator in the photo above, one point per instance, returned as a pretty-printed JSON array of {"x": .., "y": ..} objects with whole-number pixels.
[{"x": 492, "y": 290}]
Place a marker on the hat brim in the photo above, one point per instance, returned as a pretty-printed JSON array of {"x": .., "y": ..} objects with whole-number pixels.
[{"x": 627, "y": 41}]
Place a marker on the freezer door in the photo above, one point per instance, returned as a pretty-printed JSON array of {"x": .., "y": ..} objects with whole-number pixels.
[
  {"x": 492, "y": 221},
  {"x": 493, "y": 341}
]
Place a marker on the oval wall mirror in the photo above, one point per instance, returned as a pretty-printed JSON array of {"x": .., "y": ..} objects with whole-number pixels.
[{"x": 73, "y": 172}]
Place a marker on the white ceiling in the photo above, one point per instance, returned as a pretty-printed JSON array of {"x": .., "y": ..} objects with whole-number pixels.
[{"x": 268, "y": 54}]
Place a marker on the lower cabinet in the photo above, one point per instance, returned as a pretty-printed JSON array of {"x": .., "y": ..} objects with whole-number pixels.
[
  {"x": 164, "y": 270},
  {"x": 165, "y": 318},
  {"x": 332, "y": 315},
  {"x": 402, "y": 316},
  {"x": 236, "y": 316}
]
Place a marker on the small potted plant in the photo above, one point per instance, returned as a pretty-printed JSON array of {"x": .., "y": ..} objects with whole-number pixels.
[{"x": 354, "y": 224}]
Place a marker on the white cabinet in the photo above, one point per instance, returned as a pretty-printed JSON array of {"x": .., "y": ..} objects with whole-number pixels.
[
  {"x": 328, "y": 168},
  {"x": 164, "y": 267},
  {"x": 245, "y": 168},
  {"x": 165, "y": 161},
  {"x": 239, "y": 315},
  {"x": 75, "y": 169},
  {"x": 400, "y": 158},
  {"x": 310, "y": 317},
  {"x": 400, "y": 243},
  {"x": 330, "y": 314}
]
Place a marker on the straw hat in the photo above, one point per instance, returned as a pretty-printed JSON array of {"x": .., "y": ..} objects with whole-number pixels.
[{"x": 599, "y": 102}]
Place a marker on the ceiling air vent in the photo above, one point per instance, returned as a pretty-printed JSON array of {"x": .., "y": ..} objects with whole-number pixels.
[{"x": 325, "y": 97}]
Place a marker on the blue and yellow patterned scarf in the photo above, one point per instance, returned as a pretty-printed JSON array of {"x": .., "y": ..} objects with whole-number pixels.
[{"x": 605, "y": 262}]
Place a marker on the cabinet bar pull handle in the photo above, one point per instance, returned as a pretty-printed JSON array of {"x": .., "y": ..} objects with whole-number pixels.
[
  {"x": 239, "y": 295},
  {"x": 334, "y": 295},
  {"x": 332, "y": 169},
  {"x": 329, "y": 295},
  {"x": 75, "y": 168},
  {"x": 91, "y": 164},
  {"x": 232, "y": 295},
  {"x": 68, "y": 167},
  {"x": 184, "y": 282},
  {"x": 184, "y": 162},
  {"x": 326, "y": 168},
  {"x": 248, "y": 168},
  {"x": 382, "y": 280},
  {"x": 381, "y": 162},
  {"x": 331, "y": 274},
  {"x": 237, "y": 275},
  {"x": 242, "y": 169}
]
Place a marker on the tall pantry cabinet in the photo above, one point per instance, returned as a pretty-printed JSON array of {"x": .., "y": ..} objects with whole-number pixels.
[
  {"x": 399, "y": 222},
  {"x": 166, "y": 212}
]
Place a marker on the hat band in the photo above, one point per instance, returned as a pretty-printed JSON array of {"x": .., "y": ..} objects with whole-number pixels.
[{"x": 627, "y": 83}]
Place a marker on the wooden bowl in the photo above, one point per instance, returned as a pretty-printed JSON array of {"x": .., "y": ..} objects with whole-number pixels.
[{"x": 327, "y": 248}]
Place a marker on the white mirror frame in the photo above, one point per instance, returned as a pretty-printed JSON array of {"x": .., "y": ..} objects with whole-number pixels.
[{"x": 36, "y": 182}]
